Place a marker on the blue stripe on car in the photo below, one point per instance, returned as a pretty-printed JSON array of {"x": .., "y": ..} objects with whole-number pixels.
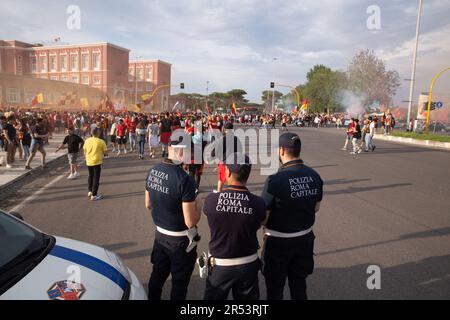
[{"x": 90, "y": 262}]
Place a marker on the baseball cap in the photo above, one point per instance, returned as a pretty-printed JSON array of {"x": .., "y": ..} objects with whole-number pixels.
[
  {"x": 290, "y": 140},
  {"x": 236, "y": 161}
]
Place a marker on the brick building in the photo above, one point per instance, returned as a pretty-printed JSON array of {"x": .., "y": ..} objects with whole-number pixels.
[
  {"x": 102, "y": 66},
  {"x": 146, "y": 75}
]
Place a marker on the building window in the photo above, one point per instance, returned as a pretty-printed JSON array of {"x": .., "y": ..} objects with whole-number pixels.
[
  {"x": 130, "y": 74},
  {"x": 54, "y": 78},
  {"x": 53, "y": 63},
  {"x": 85, "y": 62},
  {"x": 64, "y": 78},
  {"x": 85, "y": 79},
  {"x": 63, "y": 63},
  {"x": 12, "y": 95},
  {"x": 33, "y": 64},
  {"x": 140, "y": 73},
  {"x": 97, "y": 80},
  {"x": 96, "y": 61},
  {"x": 75, "y": 79},
  {"x": 149, "y": 87},
  {"x": 43, "y": 64},
  {"x": 149, "y": 73},
  {"x": 74, "y": 62},
  {"x": 19, "y": 65}
]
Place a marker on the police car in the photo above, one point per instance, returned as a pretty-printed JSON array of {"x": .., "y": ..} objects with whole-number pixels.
[{"x": 37, "y": 266}]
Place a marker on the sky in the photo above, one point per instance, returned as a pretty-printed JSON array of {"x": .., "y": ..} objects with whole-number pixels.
[{"x": 248, "y": 43}]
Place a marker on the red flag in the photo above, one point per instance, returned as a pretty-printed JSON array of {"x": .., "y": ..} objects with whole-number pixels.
[{"x": 34, "y": 101}]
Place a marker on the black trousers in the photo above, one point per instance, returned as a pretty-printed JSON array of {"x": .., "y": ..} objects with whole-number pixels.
[
  {"x": 242, "y": 281},
  {"x": 169, "y": 256},
  {"x": 292, "y": 259},
  {"x": 94, "y": 178}
]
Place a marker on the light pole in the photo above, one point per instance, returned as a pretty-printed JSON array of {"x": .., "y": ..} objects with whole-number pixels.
[
  {"x": 413, "y": 72},
  {"x": 273, "y": 92},
  {"x": 135, "y": 79}
]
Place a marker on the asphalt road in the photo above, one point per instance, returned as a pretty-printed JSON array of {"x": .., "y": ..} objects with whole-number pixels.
[{"x": 390, "y": 208}]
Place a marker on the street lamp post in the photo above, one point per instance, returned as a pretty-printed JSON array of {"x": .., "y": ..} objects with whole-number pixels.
[
  {"x": 273, "y": 93},
  {"x": 413, "y": 72},
  {"x": 135, "y": 80}
]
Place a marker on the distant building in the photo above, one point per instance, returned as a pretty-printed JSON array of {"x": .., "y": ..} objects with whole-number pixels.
[{"x": 102, "y": 66}]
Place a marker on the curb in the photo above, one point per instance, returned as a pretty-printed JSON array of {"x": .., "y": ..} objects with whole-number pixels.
[
  {"x": 415, "y": 142},
  {"x": 28, "y": 173}
]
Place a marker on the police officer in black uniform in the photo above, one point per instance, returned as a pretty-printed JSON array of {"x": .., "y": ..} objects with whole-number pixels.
[
  {"x": 234, "y": 217},
  {"x": 293, "y": 197},
  {"x": 171, "y": 197}
]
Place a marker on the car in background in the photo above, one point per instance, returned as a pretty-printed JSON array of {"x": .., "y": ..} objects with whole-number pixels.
[{"x": 38, "y": 266}]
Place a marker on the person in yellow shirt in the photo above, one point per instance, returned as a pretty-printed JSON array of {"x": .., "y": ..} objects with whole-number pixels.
[{"x": 94, "y": 150}]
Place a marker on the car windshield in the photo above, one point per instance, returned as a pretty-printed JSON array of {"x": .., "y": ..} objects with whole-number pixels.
[{"x": 17, "y": 240}]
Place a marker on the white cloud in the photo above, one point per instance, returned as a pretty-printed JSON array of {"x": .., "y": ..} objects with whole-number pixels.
[{"x": 232, "y": 43}]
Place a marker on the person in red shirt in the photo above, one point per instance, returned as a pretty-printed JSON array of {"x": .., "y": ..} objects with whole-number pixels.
[
  {"x": 122, "y": 130},
  {"x": 132, "y": 124},
  {"x": 349, "y": 133}
]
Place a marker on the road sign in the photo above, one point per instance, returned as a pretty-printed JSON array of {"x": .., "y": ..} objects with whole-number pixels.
[{"x": 439, "y": 105}]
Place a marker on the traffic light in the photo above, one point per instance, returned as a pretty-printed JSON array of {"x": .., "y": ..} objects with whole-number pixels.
[
  {"x": 272, "y": 85},
  {"x": 181, "y": 85}
]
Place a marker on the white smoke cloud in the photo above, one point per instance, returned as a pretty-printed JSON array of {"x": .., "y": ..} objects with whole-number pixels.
[{"x": 353, "y": 103}]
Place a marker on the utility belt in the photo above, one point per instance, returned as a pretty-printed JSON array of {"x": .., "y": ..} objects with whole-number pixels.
[
  {"x": 277, "y": 234},
  {"x": 205, "y": 262},
  {"x": 191, "y": 234}
]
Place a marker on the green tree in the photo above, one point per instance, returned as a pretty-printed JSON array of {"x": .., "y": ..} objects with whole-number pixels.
[
  {"x": 238, "y": 95},
  {"x": 323, "y": 88},
  {"x": 318, "y": 68},
  {"x": 368, "y": 77}
]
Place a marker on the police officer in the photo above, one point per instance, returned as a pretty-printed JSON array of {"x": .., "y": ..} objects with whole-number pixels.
[
  {"x": 293, "y": 197},
  {"x": 171, "y": 197},
  {"x": 234, "y": 217}
]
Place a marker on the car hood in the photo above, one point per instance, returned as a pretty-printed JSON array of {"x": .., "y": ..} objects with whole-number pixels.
[{"x": 74, "y": 270}]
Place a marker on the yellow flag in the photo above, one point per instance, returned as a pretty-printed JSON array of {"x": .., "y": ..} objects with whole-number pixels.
[
  {"x": 84, "y": 103},
  {"x": 145, "y": 97},
  {"x": 40, "y": 98}
]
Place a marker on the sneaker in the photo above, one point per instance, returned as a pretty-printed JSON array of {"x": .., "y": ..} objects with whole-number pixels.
[
  {"x": 215, "y": 191},
  {"x": 96, "y": 198},
  {"x": 28, "y": 168},
  {"x": 118, "y": 153},
  {"x": 71, "y": 176},
  {"x": 8, "y": 166},
  {"x": 153, "y": 156},
  {"x": 352, "y": 152},
  {"x": 125, "y": 151},
  {"x": 343, "y": 149},
  {"x": 373, "y": 148},
  {"x": 90, "y": 194},
  {"x": 76, "y": 174}
]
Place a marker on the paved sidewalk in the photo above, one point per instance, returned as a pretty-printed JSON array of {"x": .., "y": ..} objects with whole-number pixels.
[{"x": 8, "y": 176}]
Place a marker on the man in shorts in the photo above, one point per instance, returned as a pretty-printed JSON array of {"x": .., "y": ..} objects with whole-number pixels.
[
  {"x": 38, "y": 133},
  {"x": 73, "y": 143}
]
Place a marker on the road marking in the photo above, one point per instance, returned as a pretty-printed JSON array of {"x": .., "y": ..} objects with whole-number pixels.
[{"x": 36, "y": 194}]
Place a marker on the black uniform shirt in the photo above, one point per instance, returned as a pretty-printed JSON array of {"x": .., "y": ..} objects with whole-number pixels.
[
  {"x": 291, "y": 195},
  {"x": 234, "y": 217},
  {"x": 169, "y": 186}
]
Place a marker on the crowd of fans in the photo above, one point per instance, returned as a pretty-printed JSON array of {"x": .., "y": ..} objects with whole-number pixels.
[{"x": 24, "y": 133}]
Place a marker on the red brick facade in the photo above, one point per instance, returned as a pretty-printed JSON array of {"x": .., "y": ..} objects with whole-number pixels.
[{"x": 102, "y": 66}]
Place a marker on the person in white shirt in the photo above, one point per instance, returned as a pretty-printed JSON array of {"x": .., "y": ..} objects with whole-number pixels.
[{"x": 369, "y": 136}]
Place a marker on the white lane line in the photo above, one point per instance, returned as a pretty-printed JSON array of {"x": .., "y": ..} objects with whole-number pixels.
[{"x": 36, "y": 194}]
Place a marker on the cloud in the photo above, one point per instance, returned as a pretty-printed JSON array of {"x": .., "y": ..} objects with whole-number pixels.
[{"x": 232, "y": 43}]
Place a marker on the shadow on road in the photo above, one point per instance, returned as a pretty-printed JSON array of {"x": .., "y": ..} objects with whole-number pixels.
[
  {"x": 351, "y": 190},
  {"x": 417, "y": 235}
]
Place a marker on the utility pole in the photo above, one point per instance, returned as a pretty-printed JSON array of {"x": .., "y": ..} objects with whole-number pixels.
[
  {"x": 413, "y": 72},
  {"x": 273, "y": 93},
  {"x": 135, "y": 80}
]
